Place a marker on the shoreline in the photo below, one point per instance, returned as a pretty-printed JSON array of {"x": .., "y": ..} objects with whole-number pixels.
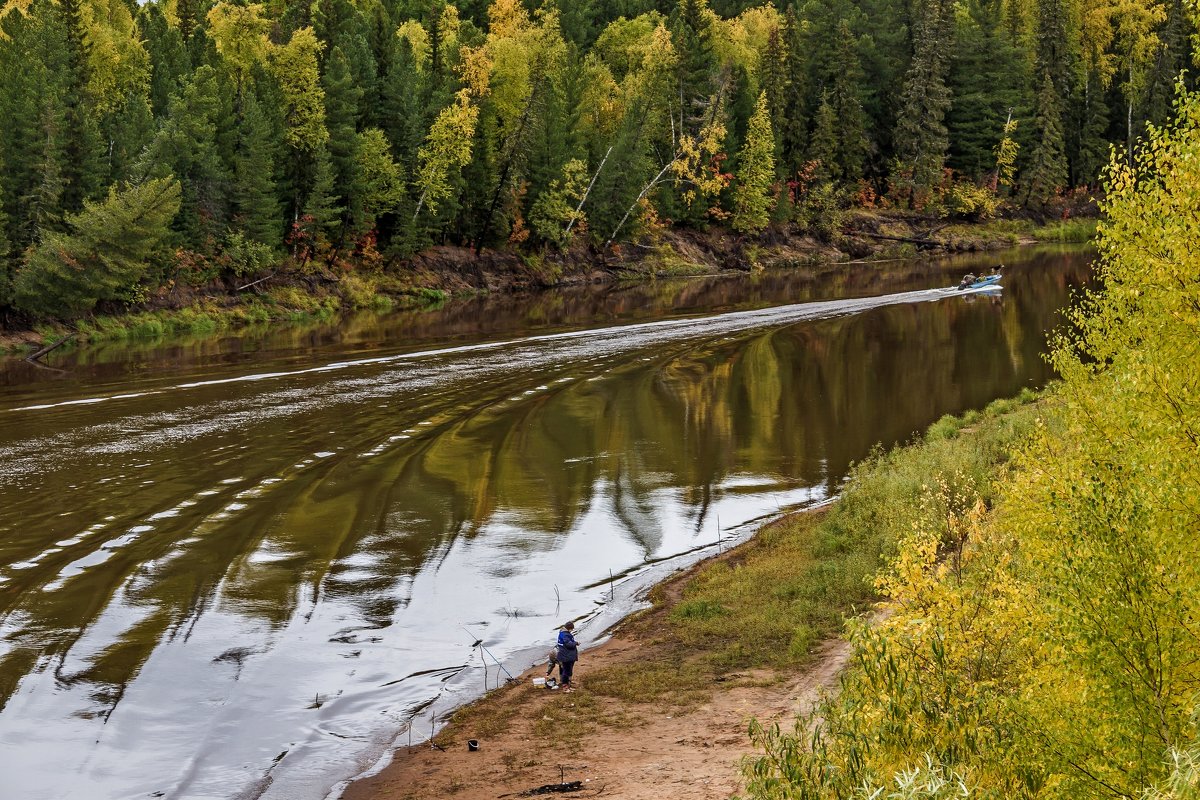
[
  {"x": 758, "y": 631},
  {"x": 431, "y": 278},
  {"x": 696, "y": 749}
]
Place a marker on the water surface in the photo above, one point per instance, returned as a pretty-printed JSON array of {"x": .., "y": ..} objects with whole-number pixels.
[{"x": 236, "y": 568}]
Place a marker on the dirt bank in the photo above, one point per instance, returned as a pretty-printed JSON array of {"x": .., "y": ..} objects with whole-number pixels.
[{"x": 629, "y": 741}]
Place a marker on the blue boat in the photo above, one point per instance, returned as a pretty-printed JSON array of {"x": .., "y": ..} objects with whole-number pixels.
[{"x": 980, "y": 283}]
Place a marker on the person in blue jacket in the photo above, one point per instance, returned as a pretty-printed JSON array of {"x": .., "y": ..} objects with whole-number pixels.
[{"x": 567, "y": 654}]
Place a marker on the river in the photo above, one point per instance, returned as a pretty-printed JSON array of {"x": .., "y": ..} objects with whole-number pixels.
[{"x": 238, "y": 568}]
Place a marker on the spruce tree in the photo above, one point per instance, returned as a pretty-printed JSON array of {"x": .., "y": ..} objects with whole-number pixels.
[
  {"x": 791, "y": 127},
  {"x": 845, "y": 100},
  {"x": 322, "y": 214},
  {"x": 80, "y": 137},
  {"x": 342, "y": 98},
  {"x": 1047, "y": 170},
  {"x": 696, "y": 72},
  {"x": 921, "y": 138},
  {"x": 256, "y": 208},
  {"x": 824, "y": 144},
  {"x": 775, "y": 78},
  {"x": 30, "y": 108},
  {"x": 169, "y": 64},
  {"x": 987, "y": 79},
  {"x": 187, "y": 147},
  {"x": 5, "y": 248},
  {"x": 339, "y": 25}
]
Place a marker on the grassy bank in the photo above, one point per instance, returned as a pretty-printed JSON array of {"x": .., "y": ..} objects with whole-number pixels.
[
  {"x": 758, "y": 612},
  {"x": 213, "y": 316},
  {"x": 771, "y": 602}
]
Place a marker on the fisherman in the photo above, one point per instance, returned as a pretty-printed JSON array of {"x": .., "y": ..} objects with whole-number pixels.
[
  {"x": 566, "y": 654},
  {"x": 967, "y": 280}
]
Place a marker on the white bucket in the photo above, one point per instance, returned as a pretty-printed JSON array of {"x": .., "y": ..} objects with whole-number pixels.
[{"x": 539, "y": 681}]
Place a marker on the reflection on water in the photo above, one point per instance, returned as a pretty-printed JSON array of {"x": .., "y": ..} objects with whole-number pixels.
[{"x": 233, "y": 571}]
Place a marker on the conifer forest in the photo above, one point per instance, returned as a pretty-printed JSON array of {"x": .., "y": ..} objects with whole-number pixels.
[{"x": 189, "y": 141}]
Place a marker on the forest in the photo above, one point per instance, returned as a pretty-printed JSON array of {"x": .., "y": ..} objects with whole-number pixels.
[{"x": 186, "y": 142}]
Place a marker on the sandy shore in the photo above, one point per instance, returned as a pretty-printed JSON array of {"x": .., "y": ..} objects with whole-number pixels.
[{"x": 617, "y": 744}]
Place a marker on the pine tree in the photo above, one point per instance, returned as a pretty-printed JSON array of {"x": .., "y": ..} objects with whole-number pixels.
[
  {"x": 187, "y": 147},
  {"x": 756, "y": 172},
  {"x": 791, "y": 127},
  {"x": 845, "y": 100},
  {"x": 696, "y": 77},
  {"x": 29, "y": 105},
  {"x": 322, "y": 213},
  {"x": 341, "y": 110},
  {"x": 775, "y": 78},
  {"x": 987, "y": 79},
  {"x": 921, "y": 138},
  {"x": 80, "y": 138},
  {"x": 256, "y": 209},
  {"x": 5, "y": 248},
  {"x": 107, "y": 251},
  {"x": 339, "y": 24},
  {"x": 169, "y": 65},
  {"x": 1047, "y": 170},
  {"x": 188, "y": 12},
  {"x": 823, "y": 146}
]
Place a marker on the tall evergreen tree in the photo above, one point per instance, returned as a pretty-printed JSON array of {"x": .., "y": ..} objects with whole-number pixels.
[
  {"x": 342, "y": 98},
  {"x": 791, "y": 126},
  {"x": 987, "y": 80},
  {"x": 696, "y": 77},
  {"x": 921, "y": 138},
  {"x": 80, "y": 137},
  {"x": 169, "y": 64},
  {"x": 107, "y": 251},
  {"x": 187, "y": 147},
  {"x": 845, "y": 100},
  {"x": 339, "y": 25},
  {"x": 256, "y": 209},
  {"x": 823, "y": 145},
  {"x": 1047, "y": 169}
]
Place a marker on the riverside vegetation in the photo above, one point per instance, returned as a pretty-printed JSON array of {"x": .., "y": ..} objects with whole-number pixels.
[
  {"x": 718, "y": 628},
  {"x": 1045, "y": 644},
  {"x": 159, "y": 150}
]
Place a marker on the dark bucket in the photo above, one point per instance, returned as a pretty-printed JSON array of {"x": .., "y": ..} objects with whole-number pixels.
[{"x": 473, "y": 745}]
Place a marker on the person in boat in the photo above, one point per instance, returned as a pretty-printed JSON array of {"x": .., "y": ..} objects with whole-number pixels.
[
  {"x": 566, "y": 654},
  {"x": 967, "y": 280}
]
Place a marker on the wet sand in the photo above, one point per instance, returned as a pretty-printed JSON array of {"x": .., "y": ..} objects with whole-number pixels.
[{"x": 530, "y": 736}]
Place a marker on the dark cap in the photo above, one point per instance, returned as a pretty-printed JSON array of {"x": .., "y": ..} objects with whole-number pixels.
[{"x": 569, "y": 626}]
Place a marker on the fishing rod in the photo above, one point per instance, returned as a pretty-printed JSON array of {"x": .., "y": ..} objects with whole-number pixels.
[{"x": 480, "y": 645}]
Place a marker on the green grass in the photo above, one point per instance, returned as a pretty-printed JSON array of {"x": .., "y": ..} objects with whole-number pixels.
[
  {"x": 1067, "y": 231},
  {"x": 771, "y": 601}
]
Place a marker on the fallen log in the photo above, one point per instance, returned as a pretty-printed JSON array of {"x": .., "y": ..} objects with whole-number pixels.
[
  {"x": 922, "y": 242},
  {"x": 50, "y": 348}
]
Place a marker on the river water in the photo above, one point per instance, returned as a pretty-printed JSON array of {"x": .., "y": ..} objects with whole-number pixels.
[{"x": 238, "y": 568}]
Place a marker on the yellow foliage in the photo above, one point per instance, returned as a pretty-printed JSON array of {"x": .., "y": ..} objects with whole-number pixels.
[
  {"x": 295, "y": 68},
  {"x": 418, "y": 39},
  {"x": 8, "y": 7},
  {"x": 240, "y": 33},
  {"x": 446, "y": 148},
  {"x": 118, "y": 65},
  {"x": 1051, "y": 648}
]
